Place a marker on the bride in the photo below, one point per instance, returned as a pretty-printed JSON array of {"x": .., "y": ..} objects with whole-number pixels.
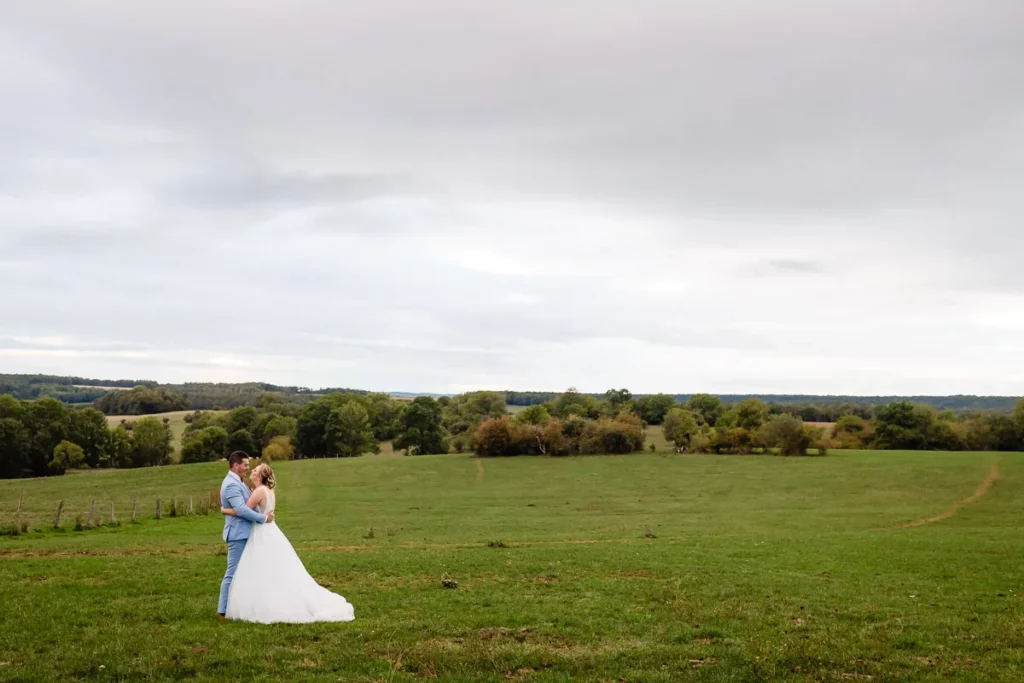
[{"x": 271, "y": 584}]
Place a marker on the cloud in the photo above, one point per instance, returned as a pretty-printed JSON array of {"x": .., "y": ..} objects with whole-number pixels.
[{"x": 748, "y": 196}]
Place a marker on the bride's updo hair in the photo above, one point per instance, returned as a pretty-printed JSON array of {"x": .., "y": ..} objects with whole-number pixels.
[{"x": 267, "y": 476}]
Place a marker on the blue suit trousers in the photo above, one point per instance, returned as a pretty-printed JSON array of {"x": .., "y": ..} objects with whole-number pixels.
[{"x": 235, "y": 549}]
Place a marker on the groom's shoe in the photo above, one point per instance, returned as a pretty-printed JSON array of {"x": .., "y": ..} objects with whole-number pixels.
[{"x": 222, "y": 617}]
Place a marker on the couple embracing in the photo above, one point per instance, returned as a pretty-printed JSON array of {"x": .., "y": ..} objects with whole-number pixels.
[{"x": 265, "y": 581}]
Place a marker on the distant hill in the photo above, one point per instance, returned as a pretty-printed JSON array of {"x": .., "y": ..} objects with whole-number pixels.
[
  {"x": 64, "y": 389},
  {"x": 959, "y": 403},
  {"x": 198, "y": 395},
  {"x": 224, "y": 396}
]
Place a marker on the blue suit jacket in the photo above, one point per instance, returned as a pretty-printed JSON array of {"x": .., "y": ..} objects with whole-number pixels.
[{"x": 234, "y": 494}]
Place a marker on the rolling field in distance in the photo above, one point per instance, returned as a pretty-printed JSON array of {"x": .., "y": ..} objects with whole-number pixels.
[{"x": 858, "y": 566}]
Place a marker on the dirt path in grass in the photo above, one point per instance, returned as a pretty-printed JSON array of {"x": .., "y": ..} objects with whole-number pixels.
[{"x": 978, "y": 494}]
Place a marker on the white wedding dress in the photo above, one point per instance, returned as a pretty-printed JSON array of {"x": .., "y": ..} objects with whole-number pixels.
[{"x": 271, "y": 585}]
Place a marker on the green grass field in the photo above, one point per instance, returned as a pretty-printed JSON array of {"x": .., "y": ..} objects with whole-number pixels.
[{"x": 615, "y": 568}]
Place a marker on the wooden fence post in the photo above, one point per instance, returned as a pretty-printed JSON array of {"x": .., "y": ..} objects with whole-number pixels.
[
  {"x": 113, "y": 519},
  {"x": 56, "y": 520},
  {"x": 133, "y": 509},
  {"x": 191, "y": 508},
  {"x": 158, "y": 508},
  {"x": 20, "y": 501},
  {"x": 92, "y": 511}
]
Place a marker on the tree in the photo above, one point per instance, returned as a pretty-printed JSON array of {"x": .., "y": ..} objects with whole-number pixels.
[
  {"x": 241, "y": 440},
  {"x": 244, "y": 418},
  {"x": 653, "y": 408},
  {"x": 349, "y": 433},
  {"x": 88, "y": 428},
  {"x": 463, "y": 413},
  {"x": 708, "y": 408},
  {"x": 205, "y": 445},
  {"x": 311, "y": 428},
  {"x": 384, "y": 413},
  {"x": 618, "y": 398},
  {"x": 14, "y": 448},
  {"x": 312, "y": 438},
  {"x": 67, "y": 456},
  {"x": 279, "y": 425},
  {"x": 574, "y": 403},
  {"x": 535, "y": 415},
  {"x": 750, "y": 414},
  {"x": 1018, "y": 419},
  {"x": 151, "y": 443},
  {"x": 270, "y": 401},
  {"x": 119, "y": 448},
  {"x": 1003, "y": 434},
  {"x": 681, "y": 427},
  {"x": 279, "y": 448},
  {"x": 422, "y": 431},
  {"x": 47, "y": 423},
  {"x": 785, "y": 432},
  {"x": 903, "y": 425},
  {"x": 12, "y": 408}
]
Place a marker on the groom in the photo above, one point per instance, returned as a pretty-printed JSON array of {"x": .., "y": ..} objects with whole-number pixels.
[{"x": 234, "y": 494}]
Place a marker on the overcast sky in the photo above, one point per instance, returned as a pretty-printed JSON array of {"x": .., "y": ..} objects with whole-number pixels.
[{"x": 728, "y": 196}]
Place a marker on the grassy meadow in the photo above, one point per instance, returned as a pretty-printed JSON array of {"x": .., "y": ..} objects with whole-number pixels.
[{"x": 649, "y": 567}]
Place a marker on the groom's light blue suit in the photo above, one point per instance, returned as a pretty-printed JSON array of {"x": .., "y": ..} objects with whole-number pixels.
[{"x": 234, "y": 494}]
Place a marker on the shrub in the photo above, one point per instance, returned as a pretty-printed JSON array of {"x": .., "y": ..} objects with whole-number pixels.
[
  {"x": 493, "y": 437},
  {"x": 852, "y": 431},
  {"x": 613, "y": 436},
  {"x": 785, "y": 432},
  {"x": 67, "y": 456},
  {"x": 279, "y": 448}
]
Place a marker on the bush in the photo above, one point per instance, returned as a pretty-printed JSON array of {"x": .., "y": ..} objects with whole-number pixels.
[
  {"x": 786, "y": 433},
  {"x": 731, "y": 439},
  {"x": 620, "y": 435},
  {"x": 852, "y": 431},
  {"x": 494, "y": 437},
  {"x": 67, "y": 456},
  {"x": 506, "y": 436},
  {"x": 279, "y": 448},
  {"x": 555, "y": 439}
]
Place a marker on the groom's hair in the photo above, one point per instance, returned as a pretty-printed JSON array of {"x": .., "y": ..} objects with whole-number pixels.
[{"x": 237, "y": 457}]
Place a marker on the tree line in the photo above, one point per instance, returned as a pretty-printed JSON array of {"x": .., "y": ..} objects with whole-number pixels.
[
  {"x": 44, "y": 437},
  {"x": 705, "y": 424},
  {"x": 148, "y": 400},
  {"x": 64, "y": 389},
  {"x": 812, "y": 408}
]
